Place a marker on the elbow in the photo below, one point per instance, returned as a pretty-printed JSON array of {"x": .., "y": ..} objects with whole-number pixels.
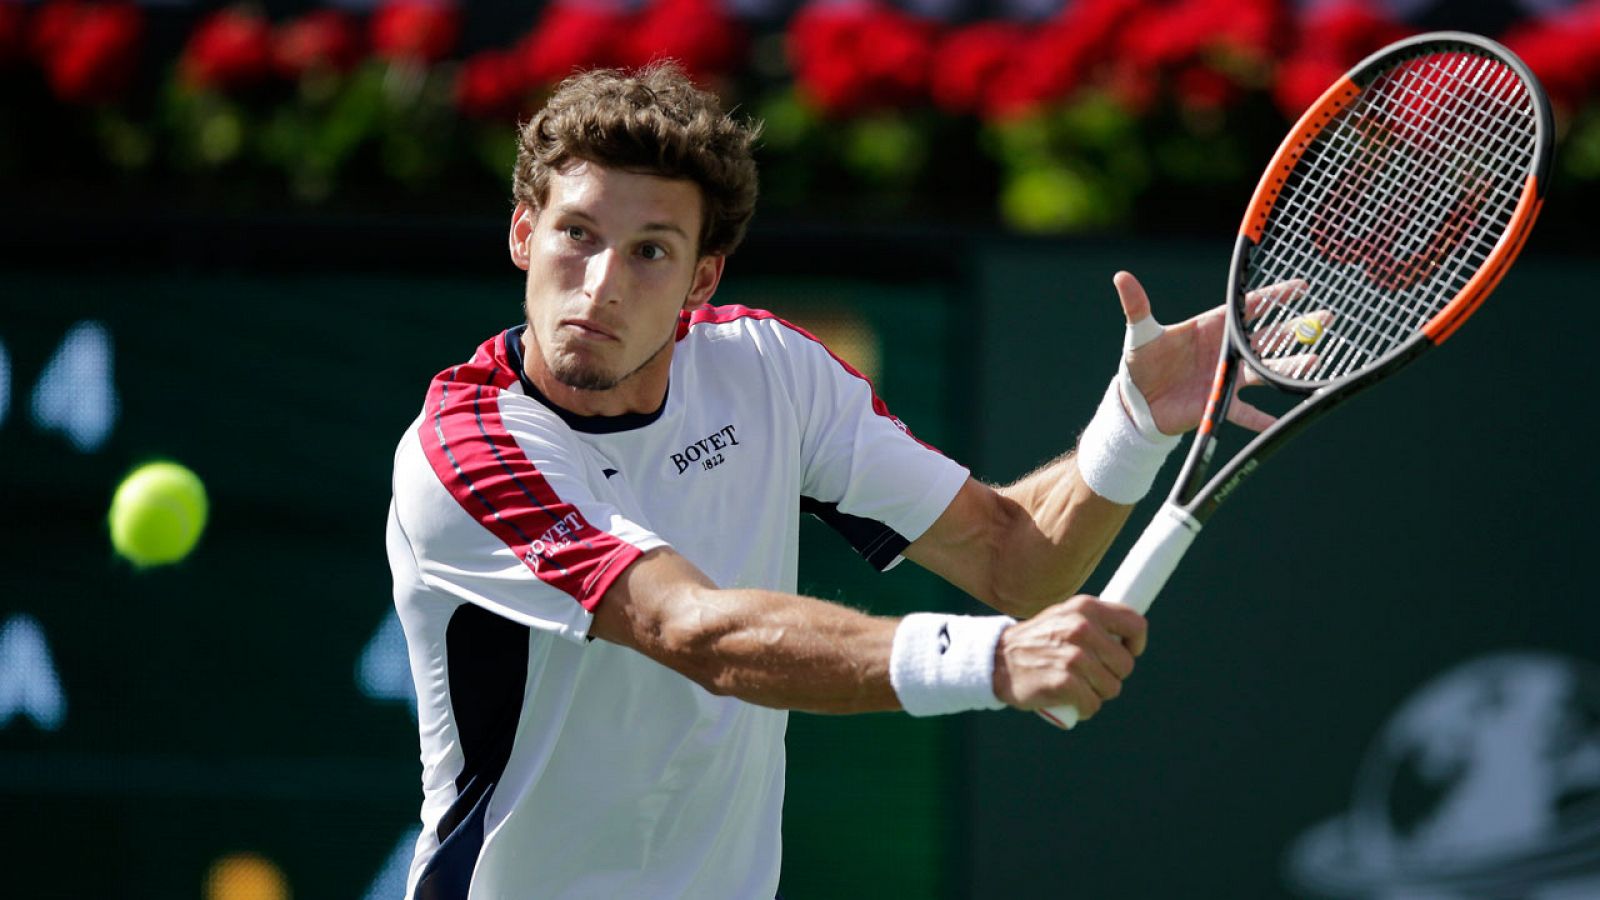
[
  {"x": 1023, "y": 563},
  {"x": 1008, "y": 589},
  {"x": 689, "y": 643}
]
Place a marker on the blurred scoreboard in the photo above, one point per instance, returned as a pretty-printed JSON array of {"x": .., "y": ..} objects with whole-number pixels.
[
  {"x": 243, "y": 721},
  {"x": 242, "y": 725}
]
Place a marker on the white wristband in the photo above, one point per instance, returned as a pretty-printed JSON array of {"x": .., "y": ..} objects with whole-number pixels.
[
  {"x": 945, "y": 664},
  {"x": 1121, "y": 450}
]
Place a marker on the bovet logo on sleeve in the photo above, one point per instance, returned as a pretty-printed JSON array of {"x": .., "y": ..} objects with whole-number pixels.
[
  {"x": 706, "y": 453},
  {"x": 556, "y": 538}
]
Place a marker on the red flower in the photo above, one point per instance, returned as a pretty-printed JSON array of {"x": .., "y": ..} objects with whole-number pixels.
[
  {"x": 970, "y": 60},
  {"x": 52, "y": 26},
  {"x": 571, "y": 37},
  {"x": 417, "y": 31},
  {"x": 232, "y": 49},
  {"x": 1332, "y": 38},
  {"x": 1561, "y": 51},
  {"x": 1254, "y": 28},
  {"x": 1348, "y": 30},
  {"x": 1177, "y": 33},
  {"x": 323, "y": 40},
  {"x": 699, "y": 34},
  {"x": 1302, "y": 80},
  {"x": 490, "y": 85},
  {"x": 1201, "y": 87},
  {"x": 857, "y": 56},
  {"x": 1059, "y": 56},
  {"x": 88, "y": 51},
  {"x": 1163, "y": 35}
]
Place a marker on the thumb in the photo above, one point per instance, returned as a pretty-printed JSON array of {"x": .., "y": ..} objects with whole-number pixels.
[{"x": 1135, "y": 302}]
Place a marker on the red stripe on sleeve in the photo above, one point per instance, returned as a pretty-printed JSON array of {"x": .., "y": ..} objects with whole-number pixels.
[{"x": 478, "y": 460}]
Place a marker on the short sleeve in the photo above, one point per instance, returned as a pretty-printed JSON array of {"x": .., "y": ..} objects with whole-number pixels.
[
  {"x": 865, "y": 474},
  {"x": 496, "y": 504}
]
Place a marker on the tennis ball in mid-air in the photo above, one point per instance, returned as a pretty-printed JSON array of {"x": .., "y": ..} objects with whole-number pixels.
[
  {"x": 157, "y": 514},
  {"x": 1307, "y": 330}
]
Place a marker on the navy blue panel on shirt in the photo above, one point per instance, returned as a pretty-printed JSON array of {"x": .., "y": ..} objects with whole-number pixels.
[
  {"x": 876, "y": 542},
  {"x": 448, "y": 875},
  {"x": 488, "y": 661}
]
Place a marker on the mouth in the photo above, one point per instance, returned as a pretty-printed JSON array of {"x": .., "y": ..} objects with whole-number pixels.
[{"x": 589, "y": 329}]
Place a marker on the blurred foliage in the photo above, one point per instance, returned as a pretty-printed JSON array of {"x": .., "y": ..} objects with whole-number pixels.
[{"x": 1110, "y": 114}]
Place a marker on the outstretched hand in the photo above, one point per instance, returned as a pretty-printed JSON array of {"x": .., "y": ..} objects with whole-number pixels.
[{"x": 1175, "y": 371}]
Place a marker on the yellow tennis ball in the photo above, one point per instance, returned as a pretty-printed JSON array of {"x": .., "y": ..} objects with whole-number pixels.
[
  {"x": 157, "y": 514},
  {"x": 1307, "y": 330}
]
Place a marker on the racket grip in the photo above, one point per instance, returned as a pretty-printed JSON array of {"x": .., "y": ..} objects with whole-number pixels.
[
  {"x": 1152, "y": 559},
  {"x": 1140, "y": 577}
]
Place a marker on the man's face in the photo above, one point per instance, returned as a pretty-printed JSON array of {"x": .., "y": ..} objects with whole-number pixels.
[{"x": 611, "y": 260}]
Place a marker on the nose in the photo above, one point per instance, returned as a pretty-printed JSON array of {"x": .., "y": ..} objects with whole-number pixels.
[{"x": 602, "y": 279}]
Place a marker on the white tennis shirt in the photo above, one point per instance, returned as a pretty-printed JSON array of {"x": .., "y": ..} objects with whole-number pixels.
[{"x": 556, "y": 766}]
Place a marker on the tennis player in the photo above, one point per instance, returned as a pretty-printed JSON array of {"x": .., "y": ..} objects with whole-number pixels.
[{"x": 595, "y": 525}]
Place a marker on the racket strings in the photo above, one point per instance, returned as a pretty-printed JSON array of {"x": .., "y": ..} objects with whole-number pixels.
[
  {"x": 1381, "y": 325},
  {"x": 1390, "y": 212},
  {"x": 1453, "y": 214},
  {"x": 1378, "y": 325}
]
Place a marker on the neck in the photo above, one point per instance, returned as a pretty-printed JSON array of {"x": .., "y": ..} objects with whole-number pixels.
[{"x": 641, "y": 391}]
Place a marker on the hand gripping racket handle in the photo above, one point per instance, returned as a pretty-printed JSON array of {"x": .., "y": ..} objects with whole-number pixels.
[{"x": 1144, "y": 571}]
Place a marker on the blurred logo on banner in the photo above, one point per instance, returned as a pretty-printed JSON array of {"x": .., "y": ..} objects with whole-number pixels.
[{"x": 1485, "y": 783}]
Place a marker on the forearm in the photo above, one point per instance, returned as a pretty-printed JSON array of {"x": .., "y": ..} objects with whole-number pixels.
[
  {"x": 784, "y": 650},
  {"x": 792, "y": 652},
  {"x": 1057, "y": 535},
  {"x": 774, "y": 649},
  {"x": 1025, "y": 546}
]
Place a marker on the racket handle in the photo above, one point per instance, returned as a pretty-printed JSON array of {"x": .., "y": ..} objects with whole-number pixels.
[{"x": 1144, "y": 571}]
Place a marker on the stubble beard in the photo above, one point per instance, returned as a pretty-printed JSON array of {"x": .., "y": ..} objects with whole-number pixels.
[{"x": 583, "y": 378}]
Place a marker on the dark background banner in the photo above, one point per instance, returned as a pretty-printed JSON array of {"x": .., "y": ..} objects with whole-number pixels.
[{"x": 252, "y": 700}]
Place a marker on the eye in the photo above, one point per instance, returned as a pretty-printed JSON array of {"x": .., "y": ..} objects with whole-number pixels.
[
  {"x": 576, "y": 232},
  {"x": 653, "y": 251}
]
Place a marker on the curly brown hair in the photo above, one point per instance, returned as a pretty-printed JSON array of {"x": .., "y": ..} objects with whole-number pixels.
[{"x": 655, "y": 121}]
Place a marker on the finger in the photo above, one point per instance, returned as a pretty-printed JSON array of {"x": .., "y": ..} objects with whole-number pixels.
[
  {"x": 1105, "y": 649},
  {"x": 1291, "y": 366},
  {"x": 1091, "y": 635},
  {"x": 1136, "y": 644},
  {"x": 1117, "y": 659},
  {"x": 1243, "y": 414},
  {"x": 1122, "y": 623},
  {"x": 1291, "y": 334},
  {"x": 1100, "y": 680},
  {"x": 1261, "y": 299},
  {"x": 1081, "y": 697},
  {"x": 1135, "y": 302}
]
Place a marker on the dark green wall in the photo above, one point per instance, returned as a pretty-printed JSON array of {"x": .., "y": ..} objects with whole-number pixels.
[
  {"x": 1445, "y": 515},
  {"x": 213, "y": 707}
]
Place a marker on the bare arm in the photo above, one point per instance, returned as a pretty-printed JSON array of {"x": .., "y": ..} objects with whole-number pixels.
[
  {"x": 793, "y": 652},
  {"x": 767, "y": 647},
  {"x": 1022, "y": 547},
  {"x": 1025, "y": 546}
]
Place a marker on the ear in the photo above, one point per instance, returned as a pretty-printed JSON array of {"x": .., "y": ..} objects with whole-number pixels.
[
  {"x": 707, "y": 275},
  {"x": 522, "y": 220}
]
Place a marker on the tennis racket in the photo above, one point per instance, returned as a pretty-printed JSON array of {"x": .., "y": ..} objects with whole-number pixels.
[{"x": 1391, "y": 210}]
